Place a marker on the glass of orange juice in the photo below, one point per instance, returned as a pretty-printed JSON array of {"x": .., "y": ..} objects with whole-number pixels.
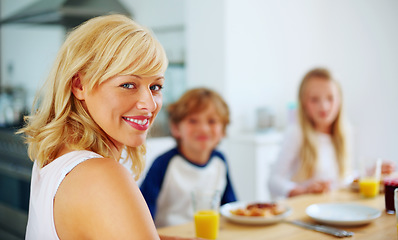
[
  {"x": 206, "y": 213},
  {"x": 369, "y": 181}
]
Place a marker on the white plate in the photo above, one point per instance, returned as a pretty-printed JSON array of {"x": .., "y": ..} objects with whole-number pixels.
[
  {"x": 342, "y": 214},
  {"x": 226, "y": 208}
]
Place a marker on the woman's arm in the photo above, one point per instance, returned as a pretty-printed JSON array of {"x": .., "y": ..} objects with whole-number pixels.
[{"x": 99, "y": 199}]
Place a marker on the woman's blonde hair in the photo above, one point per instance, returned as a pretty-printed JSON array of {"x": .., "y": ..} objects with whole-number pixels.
[
  {"x": 196, "y": 100},
  {"x": 99, "y": 49},
  {"x": 309, "y": 147}
]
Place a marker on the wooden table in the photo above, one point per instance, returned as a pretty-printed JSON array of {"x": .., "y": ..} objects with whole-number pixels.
[{"x": 383, "y": 227}]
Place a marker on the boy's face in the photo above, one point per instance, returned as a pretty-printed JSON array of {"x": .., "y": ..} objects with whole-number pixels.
[{"x": 199, "y": 132}]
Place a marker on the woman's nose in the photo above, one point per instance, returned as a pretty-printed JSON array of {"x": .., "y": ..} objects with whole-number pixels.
[{"x": 146, "y": 100}]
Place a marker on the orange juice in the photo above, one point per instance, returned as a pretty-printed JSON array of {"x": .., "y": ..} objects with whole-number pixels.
[
  {"x": 207, "y": 224},
  {"x": 369, "y": 187}
]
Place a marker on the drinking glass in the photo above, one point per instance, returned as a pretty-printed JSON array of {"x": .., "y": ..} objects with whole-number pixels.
[
  {"x": 206, "y": 213},
  {"x": 369, "y": 180}
]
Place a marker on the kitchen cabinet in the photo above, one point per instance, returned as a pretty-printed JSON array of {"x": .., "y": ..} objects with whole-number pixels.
[
  {"x": 250, "y": 157},
  {"x": 15, "y": 171}
]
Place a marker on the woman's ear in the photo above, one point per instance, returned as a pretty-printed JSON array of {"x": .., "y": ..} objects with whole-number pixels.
[{"x": 77, "y": 88}]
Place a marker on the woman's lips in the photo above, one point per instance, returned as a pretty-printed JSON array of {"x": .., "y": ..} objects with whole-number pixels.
[{"x": 139, "y": 123}]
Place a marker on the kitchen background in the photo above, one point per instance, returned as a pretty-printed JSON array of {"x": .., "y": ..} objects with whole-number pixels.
[{"x": 254, "y": 53}]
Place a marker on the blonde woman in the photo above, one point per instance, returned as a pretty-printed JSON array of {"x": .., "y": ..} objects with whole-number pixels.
[{"x": 102, "y": 95}]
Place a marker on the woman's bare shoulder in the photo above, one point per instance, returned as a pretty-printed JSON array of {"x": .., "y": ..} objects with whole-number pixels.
[
  {"x": 101, "y": 199},
  {"x": 105, "y": 169}
]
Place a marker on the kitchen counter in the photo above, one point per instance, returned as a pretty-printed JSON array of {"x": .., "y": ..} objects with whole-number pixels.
[
  {"x": 14, "y": 160},
  {"x": 15, "y": 174}
]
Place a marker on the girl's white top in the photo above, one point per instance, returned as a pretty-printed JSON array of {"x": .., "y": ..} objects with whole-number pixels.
[
  {"x": 288, "y": 162},
  {"x": 44, "y": 185}
]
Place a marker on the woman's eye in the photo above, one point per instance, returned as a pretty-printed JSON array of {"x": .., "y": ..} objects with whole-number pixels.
[
  {"x": 156, "y": 87},
  {"x": 127, "y": 85}
]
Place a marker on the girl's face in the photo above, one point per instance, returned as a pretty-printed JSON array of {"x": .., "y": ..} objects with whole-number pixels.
[
  {"x": 199, "y": 132},
  {"x": 321, "y": 103},
  {"x": 124, "y": 107}
]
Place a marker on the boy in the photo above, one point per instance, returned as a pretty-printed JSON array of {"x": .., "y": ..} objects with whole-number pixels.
[{"x": 198, "y": 122}]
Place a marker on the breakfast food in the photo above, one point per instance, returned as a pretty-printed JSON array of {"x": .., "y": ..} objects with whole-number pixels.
[{"x": 259, "y": 210}]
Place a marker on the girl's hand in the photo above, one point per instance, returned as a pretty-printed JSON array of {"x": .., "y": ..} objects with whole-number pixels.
[
  {"x": 313, "y": 187},
  {"x": 387, "y": 167},
  {"x": 318, "y": 187}
]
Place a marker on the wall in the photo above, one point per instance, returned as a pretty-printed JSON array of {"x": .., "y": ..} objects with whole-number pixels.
[
  {"x": 205, "y": 45},
  {"x": 254, "y": 53},
  {"x": 27, "y": 50},
  {"x": 269, "y": 45},
  {"x": 166, "y": 19}
]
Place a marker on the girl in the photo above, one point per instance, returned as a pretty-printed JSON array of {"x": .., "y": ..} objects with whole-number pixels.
[
  {"x": 102, "y": 95},
  {"x": 315, "y": 155}
]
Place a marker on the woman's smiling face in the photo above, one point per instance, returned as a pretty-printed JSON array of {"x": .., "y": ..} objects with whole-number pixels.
[{"x": 124, "y": 107}]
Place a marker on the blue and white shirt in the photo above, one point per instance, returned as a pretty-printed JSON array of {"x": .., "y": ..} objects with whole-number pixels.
[{"x": 168, "y": 184}]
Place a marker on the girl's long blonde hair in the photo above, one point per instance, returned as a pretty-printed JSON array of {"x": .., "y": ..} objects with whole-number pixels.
[
  {"x": 99, "y": 49},
  {"x": 309, "y": 148}
]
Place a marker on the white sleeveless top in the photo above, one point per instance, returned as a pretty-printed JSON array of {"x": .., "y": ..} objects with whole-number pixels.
[{"x": 44, "y": 185}]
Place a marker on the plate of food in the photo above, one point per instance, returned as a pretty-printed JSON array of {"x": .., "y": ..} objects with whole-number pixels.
[
  {"x": 342, "y": 214},
  {"x": 255, "y": 212}
]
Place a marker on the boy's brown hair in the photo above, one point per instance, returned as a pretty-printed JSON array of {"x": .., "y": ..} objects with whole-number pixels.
[{"x": 197, "y": 100}]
